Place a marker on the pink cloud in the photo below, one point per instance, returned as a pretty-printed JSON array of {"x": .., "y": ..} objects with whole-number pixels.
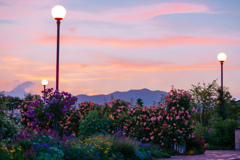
[
  {"x": 142, "y": 11},
  {"x": 164, "y": 41}
]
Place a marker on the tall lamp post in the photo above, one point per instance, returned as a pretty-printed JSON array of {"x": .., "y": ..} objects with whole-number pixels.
[
  {"x": 44, "y": 83},
  {"x": 58, "y": 13},
  {"x": 222, "y": 58}
]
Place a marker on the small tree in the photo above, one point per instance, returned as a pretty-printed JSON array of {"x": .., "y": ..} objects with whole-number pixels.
[
  {"x": 111, "y": 97},
  {"x": 204, "y": 99},
  {"x": 225, "y": 104},
  {"x": 139, "y": 102}
]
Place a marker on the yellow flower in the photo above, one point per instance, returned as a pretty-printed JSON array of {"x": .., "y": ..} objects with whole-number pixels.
[
  {"x": 111, "y": 117},
  {"x": 107, "y": 148},
  {"x": 105, "y": 152}
]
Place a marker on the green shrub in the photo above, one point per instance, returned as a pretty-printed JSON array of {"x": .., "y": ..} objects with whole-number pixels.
[
  {"x": 94, "y": 123},
  {"x": 7, "y": 128},
  {"x": 223, "y": 132},
  {"x": 126, "y": 146},
  {"x": 219, "y": 147},
  {"x": 171, "y": 152},
  {"x": 159, "y": 154}
]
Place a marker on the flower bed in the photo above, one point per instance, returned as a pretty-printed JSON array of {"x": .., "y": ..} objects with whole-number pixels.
[{"x": 79, "y": 127}]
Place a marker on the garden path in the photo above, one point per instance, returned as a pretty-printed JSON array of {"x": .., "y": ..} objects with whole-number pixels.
[{"x": 210, "y": 155}]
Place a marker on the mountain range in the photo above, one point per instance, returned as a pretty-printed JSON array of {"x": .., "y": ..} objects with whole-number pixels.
[{"x": 148, "y": 97}]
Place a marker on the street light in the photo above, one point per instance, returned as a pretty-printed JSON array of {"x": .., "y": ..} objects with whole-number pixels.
[
  {"x": 44, "y": 83},
  {"x": 58, "y": 13},
  {"x": 222, "y": 58}
]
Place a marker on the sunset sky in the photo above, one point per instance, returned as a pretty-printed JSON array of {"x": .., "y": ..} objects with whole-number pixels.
[{"x": 108, "y": 45}]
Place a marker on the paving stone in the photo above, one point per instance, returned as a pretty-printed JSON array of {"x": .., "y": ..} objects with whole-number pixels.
[{"x": 210, "y": 155}]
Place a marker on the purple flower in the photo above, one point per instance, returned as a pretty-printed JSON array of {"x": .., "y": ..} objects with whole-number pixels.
[
  {"x": 47, "y": 114},
  {"x": 52, "y": 115}
]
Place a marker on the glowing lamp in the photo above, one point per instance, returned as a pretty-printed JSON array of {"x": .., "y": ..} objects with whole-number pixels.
[
  {"x": 58, "y": 12},
  {"x": 44, "y": 82},
  {"x": 222, "y": 57}
]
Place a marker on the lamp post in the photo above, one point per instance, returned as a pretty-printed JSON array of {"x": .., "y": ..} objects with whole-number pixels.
[
  {"x": 222, "y": 58},
  {"x": 44, "y": 83},
  {"x": 58, "y": 13}
]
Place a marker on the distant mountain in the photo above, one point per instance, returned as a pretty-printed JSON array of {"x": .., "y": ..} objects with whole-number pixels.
[
  {"x": 146, "y": 95},
  {"x": 19, "y": 90},
  {"x": 238, "y": 101}
]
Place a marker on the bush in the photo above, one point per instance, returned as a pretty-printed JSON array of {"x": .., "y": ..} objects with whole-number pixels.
[
  {"x": 8, "y": 128},
  {"x": 223, "y": 132},
  {"x": 219, "y": 147},
  {"x": 43, "y": 115},
  {"x": 159, "y": 154},
  {"x": 163, "y": 125},
  {"x": 196, "y": 145},
  {"x": 94, "y": 123}
]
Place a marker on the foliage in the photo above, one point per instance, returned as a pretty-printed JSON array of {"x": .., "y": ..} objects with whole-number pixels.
[
  {"x": 223, "y": 132},
  {"x": 94, "y": 123},
  {"x": 226, "y": 102},
  {"x": 31, "y": 97},
  {"x": 58, "y": 107},
  {"x": 57, "y": 104},
  {"x": 212, "y": 147},
  {"x": 127, "y": 125},
  {"x": 159, "y": 154},
  {"x": 8, "y": 128},
  {"x": 139, "y": 102},
  {"x": 166, "y": 124},
  {"x": 196, "y": 144},
  {"x": 204, "y": 99}
]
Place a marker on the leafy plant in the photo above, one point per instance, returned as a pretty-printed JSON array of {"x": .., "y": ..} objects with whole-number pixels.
[
  {"x": 94, "y": 123},
  {"x": 223, "y": 132}
]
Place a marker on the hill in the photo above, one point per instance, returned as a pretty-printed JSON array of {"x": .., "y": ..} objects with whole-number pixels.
[{"x": 146, "y": 95}]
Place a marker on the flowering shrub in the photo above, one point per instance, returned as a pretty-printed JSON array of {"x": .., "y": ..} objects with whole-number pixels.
[
  {"x": 171, "y": 123},
  {"x": 166, "y": 124},
  {"x": 196, "y": 145},
  {"x": 117, "y": 111},
  {"x": 57, "y": 104},
  {"x": 40, "y": 114}
]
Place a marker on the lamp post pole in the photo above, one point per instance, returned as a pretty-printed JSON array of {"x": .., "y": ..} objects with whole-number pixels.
[
  {"x": 221, "y": 76},
  {"x": 57, "y": 60},
  {"x": 44, "y": 87}
]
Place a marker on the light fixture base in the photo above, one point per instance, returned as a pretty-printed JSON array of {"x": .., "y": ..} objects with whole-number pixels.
[{"x": 58, "y": 19}]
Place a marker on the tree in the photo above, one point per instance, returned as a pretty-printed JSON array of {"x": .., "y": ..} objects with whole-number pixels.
[
  {"x": 226, "y": 106},
  {"x": 31, "y": 97},
  {"x": 139, "y": 102},
  {"x": 204, "y": 99},
  {"x": 154, "y": 103},
  {"x": 111, "y": 98}
]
